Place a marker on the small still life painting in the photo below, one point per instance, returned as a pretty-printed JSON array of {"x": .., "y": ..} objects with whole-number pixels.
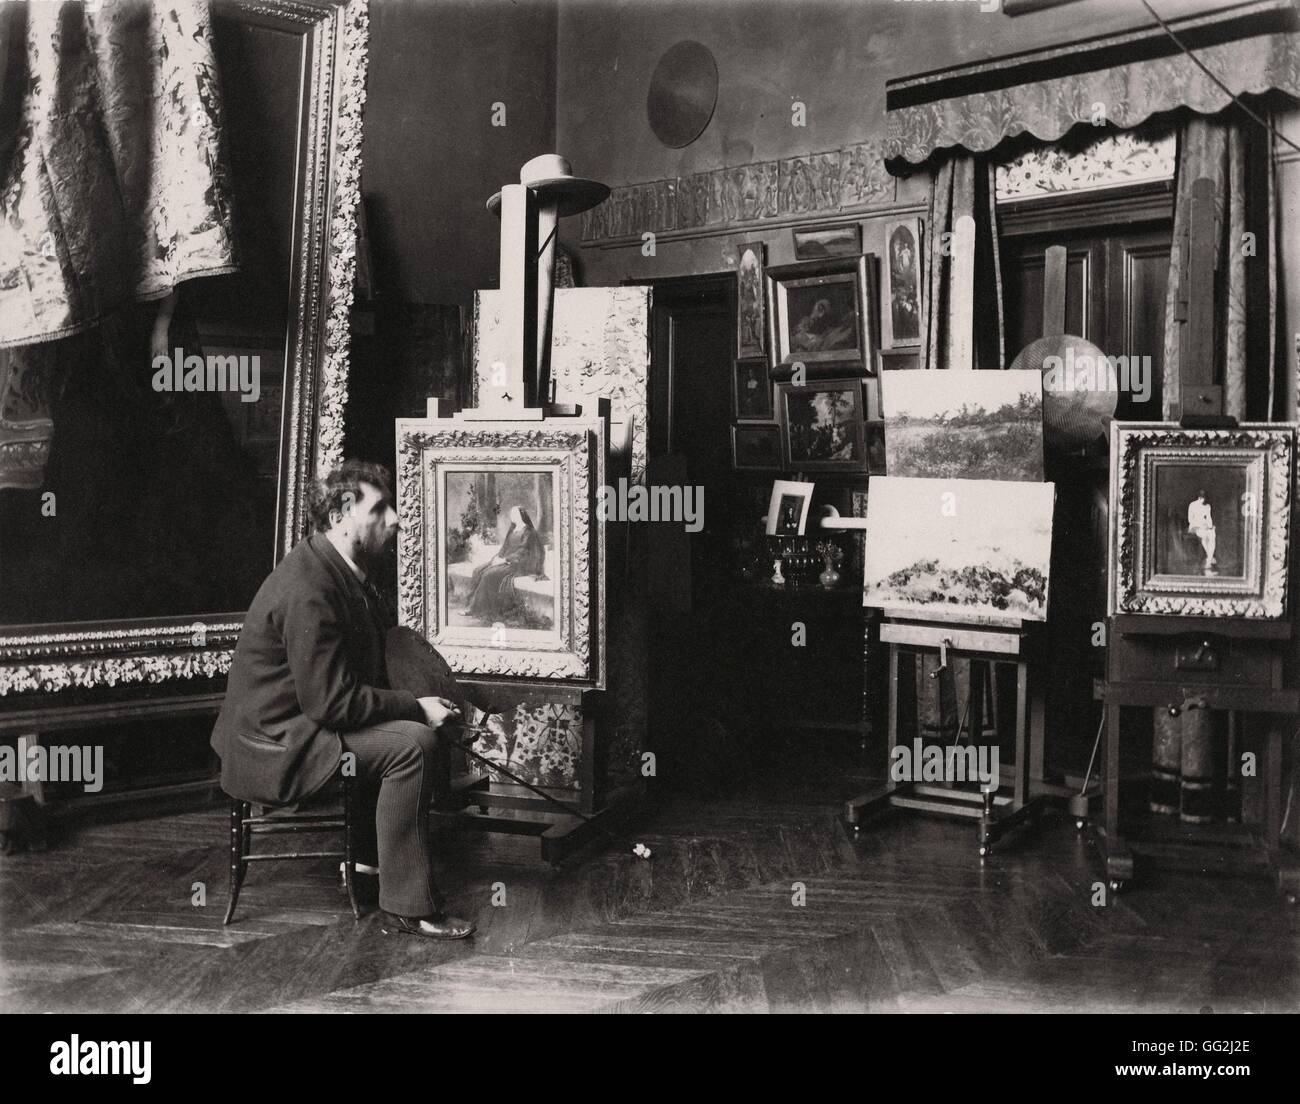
[{"x": 959, "y": 549}]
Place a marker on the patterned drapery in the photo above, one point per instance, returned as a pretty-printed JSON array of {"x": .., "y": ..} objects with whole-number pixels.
[
  {"x": 113, "y": 186},
  {"x": 1129, "y": 95}
]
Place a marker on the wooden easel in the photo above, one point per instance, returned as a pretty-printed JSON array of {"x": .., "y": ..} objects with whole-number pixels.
[
  {"x": 1215, "y": 663},
  {"x": 996, "y": 813},
  {"x": 513, "y": 392}
]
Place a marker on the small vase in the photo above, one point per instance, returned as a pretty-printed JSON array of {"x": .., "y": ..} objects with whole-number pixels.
[{"x": 830, "y": 578}]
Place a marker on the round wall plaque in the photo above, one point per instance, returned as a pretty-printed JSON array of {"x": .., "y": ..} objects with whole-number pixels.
[{"x": 683, "y": 94}]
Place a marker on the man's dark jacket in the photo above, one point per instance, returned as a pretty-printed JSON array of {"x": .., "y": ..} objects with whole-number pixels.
[{"x": 309, "y": 665}]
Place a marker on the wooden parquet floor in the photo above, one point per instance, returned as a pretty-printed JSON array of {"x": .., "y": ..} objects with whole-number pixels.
[{"x": 902, "y": 918}]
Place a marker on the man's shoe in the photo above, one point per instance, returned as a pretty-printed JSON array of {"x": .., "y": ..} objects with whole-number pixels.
[{"x": 431, "y": 927}]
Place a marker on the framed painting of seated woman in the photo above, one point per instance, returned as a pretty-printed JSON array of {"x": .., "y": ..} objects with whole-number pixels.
[{"x": 501, "y": 555}]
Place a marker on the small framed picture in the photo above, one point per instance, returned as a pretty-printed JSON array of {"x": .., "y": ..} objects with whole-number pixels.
[
  {"x": 1201, "y": 519},
  {"x": 752, "y": 390},
  {"x": 820, "y": 317},
  {"x": 750, "y": 331},
  {"x": 902, "y": 309},
  {"x": 822, "y": 425},
  {"x": 787, "y": 510},
  {"x": 756, "y": 447},
  {"x": 812, "y": 243}
]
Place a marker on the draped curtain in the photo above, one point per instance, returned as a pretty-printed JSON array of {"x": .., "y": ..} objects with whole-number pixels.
[
  {"x": 113, "y": 187},
  {"x": 1127, "y": 94},
  {"x": 112, "y": 181}
]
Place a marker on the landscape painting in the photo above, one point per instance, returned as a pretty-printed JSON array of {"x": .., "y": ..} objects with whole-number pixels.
[
  {"x": 964, "y": 425},
  {"x": 959, "y": 549}
]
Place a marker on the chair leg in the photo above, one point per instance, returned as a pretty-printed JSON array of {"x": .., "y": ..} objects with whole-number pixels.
[
  {"x": 238, "y": 849},
  {"x": 349, "y": 859}
]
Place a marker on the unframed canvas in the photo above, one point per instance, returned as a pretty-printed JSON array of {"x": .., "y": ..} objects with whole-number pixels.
[
  {"x": 964, "y": 425},
  {"x": 959, "y": 549}
]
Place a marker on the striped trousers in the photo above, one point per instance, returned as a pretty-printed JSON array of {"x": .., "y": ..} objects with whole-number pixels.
[{"x": 400, "y": 766}]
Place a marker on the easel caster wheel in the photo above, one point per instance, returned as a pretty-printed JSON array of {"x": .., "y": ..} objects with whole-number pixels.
[
  {"x": 984, "y": 850},
  {"x": 1116, "y": 886},
  {"x": 1080, "y": 824}
]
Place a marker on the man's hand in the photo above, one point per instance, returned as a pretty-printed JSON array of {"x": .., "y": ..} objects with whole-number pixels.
[{"x": 439, "y": 711}]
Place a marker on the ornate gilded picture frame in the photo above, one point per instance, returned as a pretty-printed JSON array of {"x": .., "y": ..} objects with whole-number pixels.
[
  {"x": 501, "y": 554},
  {"x": 1200, "y": 519},
  {"x": 302, "y": 68}
]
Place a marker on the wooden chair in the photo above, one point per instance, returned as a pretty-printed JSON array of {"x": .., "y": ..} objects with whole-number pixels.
[{"x": 244, "y": 826}]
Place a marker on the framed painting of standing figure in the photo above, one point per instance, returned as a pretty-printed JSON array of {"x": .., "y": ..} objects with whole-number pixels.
[
  {"x": 501, "y": 554},
  {"x": 1200, "y": 519}
]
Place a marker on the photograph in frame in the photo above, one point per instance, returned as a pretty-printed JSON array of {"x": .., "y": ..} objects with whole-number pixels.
[{"x": 787, "y": 510}]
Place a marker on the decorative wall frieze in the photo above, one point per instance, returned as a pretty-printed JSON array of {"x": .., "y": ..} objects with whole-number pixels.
[{"x": 813, "y": 184}]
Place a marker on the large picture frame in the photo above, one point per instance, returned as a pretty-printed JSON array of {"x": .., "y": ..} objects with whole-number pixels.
[
  {"x": 501, "y": 555},
  {"x": 308, "y": 66},
  {"x": 821, "y": 315},
  {"x": 1200, "y": 519}
]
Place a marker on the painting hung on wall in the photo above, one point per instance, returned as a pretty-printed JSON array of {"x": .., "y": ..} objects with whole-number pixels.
[
  {"x": 959, "y": 549},
  {"x": 820, "y": 316},
  {"x": 1202, "y": 519},
  {"x": 822, "y": 425},
  {"x": 756, "y": 447},
  {"x": 964, "y": 425},
  {"x": 903, "y": 308},
  {"x": 815, "y": 242},
  {"x": 750, "y": 331},
  {"x": 752, "y": 391},
  {"x": 500, "y": 555}
]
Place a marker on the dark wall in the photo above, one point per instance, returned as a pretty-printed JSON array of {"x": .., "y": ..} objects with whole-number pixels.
[{"x": 432, "y": 156}]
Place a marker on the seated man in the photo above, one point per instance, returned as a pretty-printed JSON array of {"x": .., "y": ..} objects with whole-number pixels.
[{"x": 307, "y": 684}]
